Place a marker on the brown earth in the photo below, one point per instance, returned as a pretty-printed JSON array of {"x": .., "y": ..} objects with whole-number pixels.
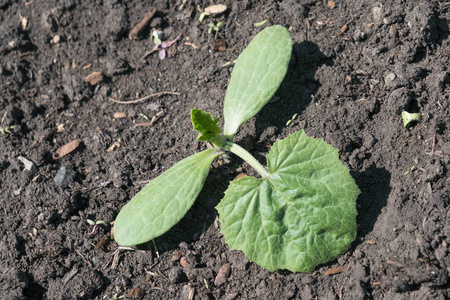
[{"x": 355, "y": 66}]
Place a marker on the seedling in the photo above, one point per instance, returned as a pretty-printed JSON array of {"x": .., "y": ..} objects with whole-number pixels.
[
  {"x": 300, "y": 213},
  {"x": 160, "y": 46},
  {"x": 258, "y": 24},
  {"x": 143, "y": 116},
  {"x": 214, "y": 27},
  {"x": 6, "y": 130},
  {"x": 95, "y": 225},
  {"x": 211, "y": 10},
  {"x": 409, "y": 118},
  {"x": 291, "y": 120},
  {"x": 117, "y": 295}
]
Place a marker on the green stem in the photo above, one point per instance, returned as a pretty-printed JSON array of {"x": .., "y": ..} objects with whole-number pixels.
[{"x": 242, "y": 153}]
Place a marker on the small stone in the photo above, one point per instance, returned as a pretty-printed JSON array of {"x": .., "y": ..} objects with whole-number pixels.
[
  {"x": 176, "y": 256},
  {"x": 175, "y": 275},
  {"x": 359, "y": 35},
  {"x": 56, "y": 39},
  {"x": 377, "y": 14},
  {"x": 40, "y": 217},
  {"x": 64, "y": 177},
  {"x": 29, "y": 165}
]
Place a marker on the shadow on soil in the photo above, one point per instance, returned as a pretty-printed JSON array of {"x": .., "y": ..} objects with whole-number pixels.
[
  {"x": 297, "y": 89},
  {"x": 374, "y": 184},
  {"x": 201, "y": 215}
]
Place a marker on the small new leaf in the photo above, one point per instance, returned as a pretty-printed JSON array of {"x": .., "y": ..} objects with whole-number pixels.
[{"x": 205, "y": 125}]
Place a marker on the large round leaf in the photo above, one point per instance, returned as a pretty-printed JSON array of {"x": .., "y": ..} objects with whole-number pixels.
[{"x": 302, "y": 215}]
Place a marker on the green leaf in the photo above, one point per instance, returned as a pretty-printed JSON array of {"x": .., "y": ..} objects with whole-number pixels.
[
  {"x": 302, "y": 215},
  {"x": 205, "y": 124},
  {"x": 256, "y": 76},
  {"x": 163, "y": 201}
]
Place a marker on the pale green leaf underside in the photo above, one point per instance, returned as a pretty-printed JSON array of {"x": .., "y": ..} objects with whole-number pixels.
[
  {"x": 163, "y": 201},
  {"x": 256, "y": 76},
  {"x": 302, "y": 215}
]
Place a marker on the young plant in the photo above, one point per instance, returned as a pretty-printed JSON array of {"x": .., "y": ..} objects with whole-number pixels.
[
  {"x": 408, "y": 118},
  {"x": 299, "y": 214},
  {"x": 214, "y": 27},
  {"x": 6, "y": 130}
]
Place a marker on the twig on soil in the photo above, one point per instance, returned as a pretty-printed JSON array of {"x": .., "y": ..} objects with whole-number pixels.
[
  {"x": 433, "y": 145},
  {"x": 116, "y": 255},
  {"x": 144, "y": 98},
  {"x": 334, "y": 271},
  {"x": 135, "y": 32},
  {"x": 70, "y": 275},
  {"x": 342, "y": 288},
  {"x": 84, "y": 258},
  {"x": 395, "y": 263}
]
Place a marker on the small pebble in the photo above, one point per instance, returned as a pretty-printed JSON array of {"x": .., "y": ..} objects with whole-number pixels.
[
  {"x": 64, "y": 177},
  {"x": 29, "y": 165}
]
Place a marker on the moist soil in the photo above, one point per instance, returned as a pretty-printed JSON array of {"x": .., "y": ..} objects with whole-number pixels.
[{"x": 356, "y": 65}]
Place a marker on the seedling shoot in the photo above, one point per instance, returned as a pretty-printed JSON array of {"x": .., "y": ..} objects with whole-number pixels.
[{"x": 301, "y": 210}]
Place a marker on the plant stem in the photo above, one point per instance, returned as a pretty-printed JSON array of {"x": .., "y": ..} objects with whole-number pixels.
[{"x": 245, "y": 155}]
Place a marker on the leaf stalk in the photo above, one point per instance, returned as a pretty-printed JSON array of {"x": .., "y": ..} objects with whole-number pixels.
[{"x": 245, "y": 155}]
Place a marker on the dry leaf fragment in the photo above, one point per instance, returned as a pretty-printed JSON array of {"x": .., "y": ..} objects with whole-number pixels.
[
  {"x": 187, "y": 292},
  {"x": 176, "y": 256},
  {"x": 239, "y": 176},
  {"x": 223, "y": 274},
  {"x": 23, "y": 23},
  {"x": 216, "y": 9},
  {"x": 184, "y": 262},
  {"x": 342, "y": 30},
  {"x": 331, "y": 4},
  {"x": 113, "y": 147},
  {"x": 94, "y": 78},
  {"x": 119, "y": 115},
  {"x": 218, "y": 45},
  {"x": 135, "y": 293},
  {"x": 87, "y": 66},
  {"x": 66, "y": 149},
  {"x": 333, "y": 271}
]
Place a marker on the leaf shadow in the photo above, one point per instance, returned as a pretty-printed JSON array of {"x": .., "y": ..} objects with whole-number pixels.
[
  {"x": 374, "y": 184},
  {"x": 296, "y": 91}
]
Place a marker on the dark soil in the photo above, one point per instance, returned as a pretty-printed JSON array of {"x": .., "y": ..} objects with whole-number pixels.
[{"x": 354, "y": 68}]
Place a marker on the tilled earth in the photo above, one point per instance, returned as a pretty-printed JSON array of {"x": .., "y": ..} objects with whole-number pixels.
[{"x": 356, "y": 65}]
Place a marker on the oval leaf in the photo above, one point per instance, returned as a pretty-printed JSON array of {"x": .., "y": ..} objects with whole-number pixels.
[
  {"x": 302, "y": 215},
  {"x": 163, "y": 201},
  {"x": 256, "y": 76}
]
